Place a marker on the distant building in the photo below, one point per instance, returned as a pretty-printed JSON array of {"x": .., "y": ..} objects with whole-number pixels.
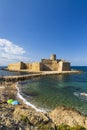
[{"x": 51, "y": 64}]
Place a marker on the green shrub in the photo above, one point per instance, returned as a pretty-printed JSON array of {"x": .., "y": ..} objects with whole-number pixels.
[
  {"x": 45, "y": 127},
  {"x": 66, "y": 127},
  {"x": 24, "y": 119},
  {"x": 78, "y": 128}
]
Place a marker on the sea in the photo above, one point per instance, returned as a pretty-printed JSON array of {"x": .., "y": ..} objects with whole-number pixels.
[
  {"x": 49, "y": 92},
  {"x": 9, "y": 73}
]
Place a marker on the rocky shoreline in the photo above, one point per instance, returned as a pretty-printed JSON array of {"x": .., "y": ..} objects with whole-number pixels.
[{"x": 23, "y": 117}]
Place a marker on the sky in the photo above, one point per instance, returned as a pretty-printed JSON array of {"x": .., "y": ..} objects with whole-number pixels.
[{"x": 34, "y": 29}]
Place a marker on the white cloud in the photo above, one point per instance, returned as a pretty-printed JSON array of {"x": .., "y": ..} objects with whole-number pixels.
[{"x": 10, "y": 52}]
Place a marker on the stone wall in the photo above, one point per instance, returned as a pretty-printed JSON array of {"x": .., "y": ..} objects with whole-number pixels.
[
  {"x": 44, "y": 65},
  {"x": 55, "y": 66},
  {"x": 49, "y": 65},
  {"x": 36, "y": 66},
  {"x": 29, "y": 66},
  {"x": 66, "y": 66},
  {"x": 63, "y": 66},
  {"x": 60, "y": 66},
  {"x": 17, "y": 66}
]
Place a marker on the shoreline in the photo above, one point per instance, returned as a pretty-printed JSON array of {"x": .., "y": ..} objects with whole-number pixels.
[
  {"x": 26, "y": 102},
  {"x": 24, "y": 114}
]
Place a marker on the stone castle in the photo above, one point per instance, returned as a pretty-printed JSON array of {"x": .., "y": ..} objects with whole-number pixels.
[{"x": 51, "y": 64}]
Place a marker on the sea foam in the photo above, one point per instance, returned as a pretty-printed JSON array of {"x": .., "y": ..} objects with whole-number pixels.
[{"x": 26, "y": 102}]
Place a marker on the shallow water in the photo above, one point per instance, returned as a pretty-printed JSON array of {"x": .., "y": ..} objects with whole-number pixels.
[
  {"x": 10, "y": 73},
  {"x": 49, "y": 92}
]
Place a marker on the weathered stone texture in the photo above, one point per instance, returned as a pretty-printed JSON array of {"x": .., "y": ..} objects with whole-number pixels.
[
  {"x": 45, "y": 65},
  {"x": 53, "y": 57},
  {"x": 17, "y": 66},
  {"x": 69, "y": 116},
  {"x": 63, "y": 66}
]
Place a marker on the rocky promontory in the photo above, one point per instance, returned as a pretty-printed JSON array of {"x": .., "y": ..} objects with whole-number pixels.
[{"x": 69, "y": 116}]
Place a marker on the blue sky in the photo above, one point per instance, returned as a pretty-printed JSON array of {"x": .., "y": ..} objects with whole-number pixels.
[{"x": 34, "y": 29}]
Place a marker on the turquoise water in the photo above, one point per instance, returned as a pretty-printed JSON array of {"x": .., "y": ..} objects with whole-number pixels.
[{"x": 49, "y": 92}]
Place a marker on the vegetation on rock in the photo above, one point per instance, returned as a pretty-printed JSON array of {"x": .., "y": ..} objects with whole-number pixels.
[{"x": 67, "y": 127}]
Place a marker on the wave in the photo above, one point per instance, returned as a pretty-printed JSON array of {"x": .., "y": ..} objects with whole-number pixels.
[
  {"x": 26, "y": 102},
  {"x": 82, "y": 95}
]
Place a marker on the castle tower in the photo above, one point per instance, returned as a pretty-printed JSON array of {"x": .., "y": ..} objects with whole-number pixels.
[{"x": 53, "y": 57}]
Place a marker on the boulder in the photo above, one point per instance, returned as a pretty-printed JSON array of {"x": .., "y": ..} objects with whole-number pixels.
[{"x": 69, "y": 116}]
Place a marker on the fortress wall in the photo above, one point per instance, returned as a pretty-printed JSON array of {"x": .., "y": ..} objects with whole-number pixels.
[
  {"x": 29, "y": 66},
  {"x": 22, "y": 65},
  {"x": 17, "y": 66},
  {"x": 36, "y": 66},
  {"x": 50, "y": 65},
  {"x": 60, "y": 66},
  {"x": 63, "y": 66},
  {"x": 54, "y": 66},
  {"x": 46, "y": 61},
  {"x": 66, "y": 66},
  {"x": 44, "y": 65}
]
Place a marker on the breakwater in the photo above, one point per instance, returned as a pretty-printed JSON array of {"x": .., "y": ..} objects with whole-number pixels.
[{"x": 32, "y": 75}]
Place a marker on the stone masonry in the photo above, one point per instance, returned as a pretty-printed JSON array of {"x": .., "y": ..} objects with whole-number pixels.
[{"x": 51, "y": 64}]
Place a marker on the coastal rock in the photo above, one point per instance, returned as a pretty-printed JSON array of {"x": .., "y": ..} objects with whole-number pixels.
[
  {"x": 23, "y": 117},
  {"x": 69, "y": 116},
  {"x": 33, "y": 118}
]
